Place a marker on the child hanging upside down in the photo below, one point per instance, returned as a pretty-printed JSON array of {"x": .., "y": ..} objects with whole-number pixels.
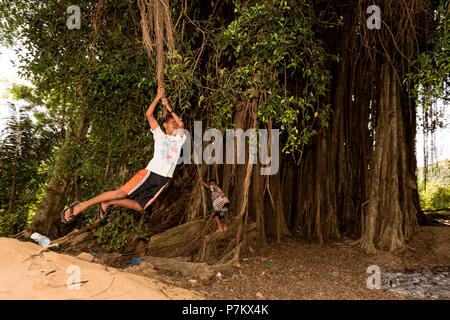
[
  {"x": 220, "y": 202},
  {"x": 147, "y": 184}
]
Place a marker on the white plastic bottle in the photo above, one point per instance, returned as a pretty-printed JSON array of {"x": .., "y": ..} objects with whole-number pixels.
[{"x": 42, "y": 240}]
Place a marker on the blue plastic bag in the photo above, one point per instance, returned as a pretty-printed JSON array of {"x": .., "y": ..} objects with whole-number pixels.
[{"x": 135, "y": 261}]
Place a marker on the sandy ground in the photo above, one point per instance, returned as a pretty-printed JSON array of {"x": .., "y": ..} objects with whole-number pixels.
[
  {"x": 293, "y": 269},
  {"x": 27, "y": 271}
]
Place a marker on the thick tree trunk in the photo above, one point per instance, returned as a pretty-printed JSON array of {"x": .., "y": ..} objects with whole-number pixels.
[
  {"x": 47, "y": 219},
  {"x": 331, "y": 175},
  {"x": 390, "y": 217},
  {"x": 12, "y": 192}
]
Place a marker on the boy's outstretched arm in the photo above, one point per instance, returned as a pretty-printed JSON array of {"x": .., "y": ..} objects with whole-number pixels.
[
  {"x": 149, "y": 114},
  {"x": 203, "y": 182},
  {"x": 175, "y": 117}
]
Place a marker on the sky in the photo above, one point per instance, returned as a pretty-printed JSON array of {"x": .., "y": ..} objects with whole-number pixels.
[
  {"x": 442, "y": 139},
  {"x": 9, "y": 75}
]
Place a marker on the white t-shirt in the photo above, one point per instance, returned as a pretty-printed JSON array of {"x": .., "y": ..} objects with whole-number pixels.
[{"x": 167, "y": 151}]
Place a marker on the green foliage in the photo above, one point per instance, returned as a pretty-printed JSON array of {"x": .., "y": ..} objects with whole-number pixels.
[
  {"x": 117, "y": 232},
  {"x": 432, "y": 67},
  {"x": 435, "y": 193},
  {"x": 108, "y": 77},
  {"x": 434, "y": 196},
  {"x": 269, "y": 47},
  {"x": 8, "y": 225},
  {"x": 24, "y": 151}
]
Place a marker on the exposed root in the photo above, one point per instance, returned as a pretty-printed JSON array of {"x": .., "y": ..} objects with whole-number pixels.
[
  {"x": 76, "y": 236},
  {"x": 200, "y": 270},
  {"x": 230, "y": 263}
]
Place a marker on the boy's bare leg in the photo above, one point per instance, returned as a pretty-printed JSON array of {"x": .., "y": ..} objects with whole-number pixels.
[
  {"x": 125, "y": 203},
  {"x": 220, "y": 229},
  {"x": 106, "y": 196},
  {"x": 225, "y": 228}
]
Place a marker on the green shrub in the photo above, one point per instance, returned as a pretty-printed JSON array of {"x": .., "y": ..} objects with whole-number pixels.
[{"x": 434, "y": 196}]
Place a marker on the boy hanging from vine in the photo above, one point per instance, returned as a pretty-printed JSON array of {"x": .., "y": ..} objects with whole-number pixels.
[{"x": 139, "y": 192}]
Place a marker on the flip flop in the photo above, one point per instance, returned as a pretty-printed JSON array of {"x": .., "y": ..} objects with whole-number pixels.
[
  {"x": 100, "y": 212},
  {"x": 71, "y": 215}
]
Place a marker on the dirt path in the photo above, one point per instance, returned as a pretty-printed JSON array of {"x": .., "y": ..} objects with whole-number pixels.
[
  {"x": 28, "y": 272},
  {"x": 295, "y": 269}
]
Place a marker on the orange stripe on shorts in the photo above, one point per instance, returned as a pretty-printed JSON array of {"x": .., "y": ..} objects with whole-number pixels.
[
  {"x": 135, "y": 181},
  {"x": 156, "y": 196}
]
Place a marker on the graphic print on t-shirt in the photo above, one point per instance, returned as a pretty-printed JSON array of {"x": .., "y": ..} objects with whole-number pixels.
[{"x": 168, "y": 153}]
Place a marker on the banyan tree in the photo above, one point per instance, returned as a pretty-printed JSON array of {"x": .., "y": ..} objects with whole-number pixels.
[{"x": 342, "y": 95}]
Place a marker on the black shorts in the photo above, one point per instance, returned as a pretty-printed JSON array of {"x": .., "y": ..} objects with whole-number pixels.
[
  {"x": 221, "y": 214},
  {"x": 145, "y": 187}
]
